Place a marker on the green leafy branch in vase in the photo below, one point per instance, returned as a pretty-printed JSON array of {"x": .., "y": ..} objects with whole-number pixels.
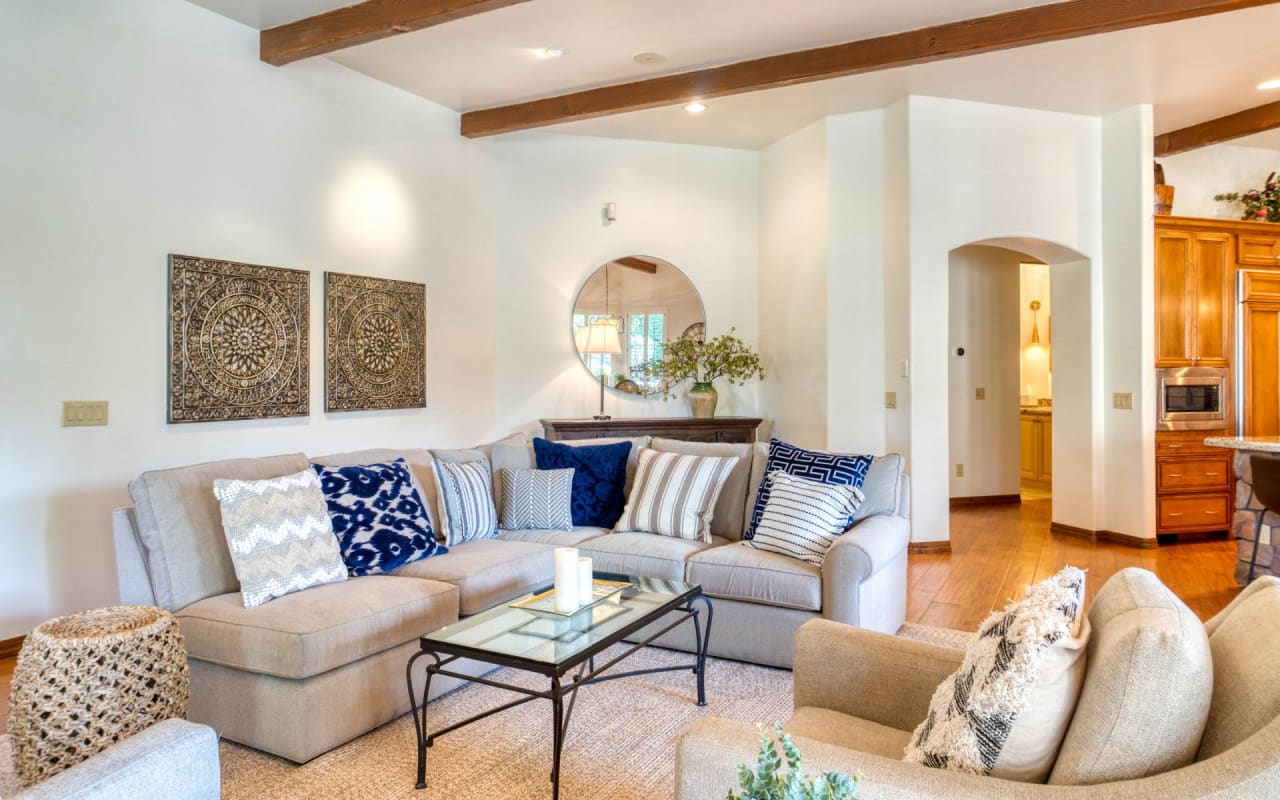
[
  {"x": 725, "y": 356},
  {"x": 764, "y": 782},
  {"x": 1261, "y": 205}
]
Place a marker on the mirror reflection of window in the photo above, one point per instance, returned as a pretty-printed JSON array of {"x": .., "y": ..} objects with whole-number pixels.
[{"x": 651, "y": 301}]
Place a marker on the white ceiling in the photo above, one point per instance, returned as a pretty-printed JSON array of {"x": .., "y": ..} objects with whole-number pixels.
[{"x": 1190, "y": 71}]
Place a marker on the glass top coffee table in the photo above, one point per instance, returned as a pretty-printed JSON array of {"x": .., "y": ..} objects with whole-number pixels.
[{"x": 562, "y": 648}]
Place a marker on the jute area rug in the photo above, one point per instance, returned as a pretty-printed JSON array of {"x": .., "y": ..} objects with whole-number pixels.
[{"x": 621, "y": 741}]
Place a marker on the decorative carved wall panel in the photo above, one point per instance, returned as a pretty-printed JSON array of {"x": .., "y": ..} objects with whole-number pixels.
[
  {"x": 237, "y": 340},
  {"x": 375, "y": 336}
]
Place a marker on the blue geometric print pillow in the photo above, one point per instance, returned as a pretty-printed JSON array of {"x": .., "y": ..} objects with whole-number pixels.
[
  {"x": 814, "y": 465},
  {"x": 377, "y": 515},
  {"x": 599, "y": 478}
]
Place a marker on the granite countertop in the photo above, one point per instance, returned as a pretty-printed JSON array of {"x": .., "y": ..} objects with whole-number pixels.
[
  {"x": 1042, "y": 411},
  {"x": 1261, "y": 444}
]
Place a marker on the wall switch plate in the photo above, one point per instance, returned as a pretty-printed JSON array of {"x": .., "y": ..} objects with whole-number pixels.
[
  {"x": 904, "y": 368},
  {"x": 959, "y": 470},
  {"x": 980, "y": 394},
  {"x": 1122, "y": 401},
  {"x": 890, "y": 399},
  {"x": 77, "y": 413}
]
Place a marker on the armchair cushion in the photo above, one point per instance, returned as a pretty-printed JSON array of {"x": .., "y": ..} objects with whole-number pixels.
[
  {"x": 1147, "y": 686},
  {"x": 741, "y": 572},
  {"x": 1246, "y": 696},
  {"x": 855, "y": 733}
]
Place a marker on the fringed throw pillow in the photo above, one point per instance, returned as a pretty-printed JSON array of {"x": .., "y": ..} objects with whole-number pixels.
[{"x": 1005, "y": 712}]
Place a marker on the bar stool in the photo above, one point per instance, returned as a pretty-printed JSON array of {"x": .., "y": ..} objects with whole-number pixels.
[{"x": 1266, "y": 490}]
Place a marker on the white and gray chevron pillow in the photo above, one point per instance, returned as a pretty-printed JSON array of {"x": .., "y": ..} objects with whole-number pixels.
[
  {"x": 279, "y": 535},
  {"x": 537, "y": 499}
]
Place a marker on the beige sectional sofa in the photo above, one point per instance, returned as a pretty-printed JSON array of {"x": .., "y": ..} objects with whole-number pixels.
[{"x": 312, "y": 670}]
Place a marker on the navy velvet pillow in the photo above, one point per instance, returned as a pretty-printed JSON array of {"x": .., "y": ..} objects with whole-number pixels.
[{"x": 599, "y": 478}]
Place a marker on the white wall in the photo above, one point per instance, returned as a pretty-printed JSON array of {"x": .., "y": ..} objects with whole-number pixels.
[
  {"x": 138, "y": 128},
  {"x": 1036, "y": 381},
  {"x": 695, "y": 207},
  {"x": 793, "y": 285},
  {"x": 983, "y": 319},
  {"x": 856, "y": 282},
  {"x": 1198, "y": 175},
  {"x": 980, "y": 173}
]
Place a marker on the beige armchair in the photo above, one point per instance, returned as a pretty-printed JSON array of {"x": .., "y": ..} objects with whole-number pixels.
[{"x": 859, "y": 694}]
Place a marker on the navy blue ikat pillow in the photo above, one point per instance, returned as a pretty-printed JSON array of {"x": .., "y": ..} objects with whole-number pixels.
[
  {"x": 378, "y": 516},
  {"x": 599, "y": 478},
  {"x": 815, "y": 465}
]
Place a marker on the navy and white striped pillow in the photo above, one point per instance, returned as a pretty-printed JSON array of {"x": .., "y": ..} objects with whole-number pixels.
[
  {"x": 537, "y": 499},
  {"x": 803, "y": 518},
  {"x": 466, "y": 500},
  {"x": 815, "y": 465}
]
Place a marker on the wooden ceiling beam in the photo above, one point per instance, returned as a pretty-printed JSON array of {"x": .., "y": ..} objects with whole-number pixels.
[
  {"x": 631, "y": 262},
  {"x": 363, "y": 22},
  {"x": 1222, "y": 129},
  {"x": 1027, "y": 26}
]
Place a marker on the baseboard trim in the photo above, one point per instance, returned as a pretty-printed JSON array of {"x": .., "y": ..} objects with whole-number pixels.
[
  {"x": 1112, "y": 537},
  {"x": 985, "y": 500},
  {"x": 921, "y": 548},
  {"x": 10, "y": 648}
]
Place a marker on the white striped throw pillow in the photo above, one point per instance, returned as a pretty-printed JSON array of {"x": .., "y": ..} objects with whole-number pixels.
[
  {"x": 466, "y": 500},
  {"x": 674, "y": 494},
  {"x": 803, "y": 518}
]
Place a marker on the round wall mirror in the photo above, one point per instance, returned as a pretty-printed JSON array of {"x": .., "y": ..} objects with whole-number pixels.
[{"x": 624, "y": 313}]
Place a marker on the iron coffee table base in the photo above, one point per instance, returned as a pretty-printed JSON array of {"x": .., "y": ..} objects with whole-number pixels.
[{"x": 587, "y": 673}]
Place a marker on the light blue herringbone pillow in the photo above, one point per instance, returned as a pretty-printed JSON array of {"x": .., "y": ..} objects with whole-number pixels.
[
  {"x": 537, "y": 499},
  {"x": 279, "y": 535}
]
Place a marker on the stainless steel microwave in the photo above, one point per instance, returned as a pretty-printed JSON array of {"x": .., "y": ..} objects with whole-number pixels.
[{"x": 1193, "y": 398}]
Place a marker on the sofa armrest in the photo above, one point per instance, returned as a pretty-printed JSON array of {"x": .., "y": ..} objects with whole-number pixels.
[
  {"x": 171, "y": 760},
  {"x": 874, "y": 676},
  {"x": 708, "y": 752},
  {"x": 865, "y": 550}
]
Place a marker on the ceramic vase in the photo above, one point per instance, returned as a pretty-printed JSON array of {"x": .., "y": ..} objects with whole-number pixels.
[{"x": 702, "y": 400}]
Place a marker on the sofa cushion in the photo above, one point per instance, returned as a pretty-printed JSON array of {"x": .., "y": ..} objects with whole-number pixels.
[
  {"x": 1147, "y": 686},
  {"x": 313, "y": 631},
  {"x": 180, "y": 525},
  {"x": 646, "y": 554},
  {"x": 1246, "y": 695},
  {"x": 488, "y": 571},
  {"x": 279, "y": 535},
  {"x": 814, "y": 465},
  {"x": 880, "y": 489},
  {"x": 739, "y": 571},
  {"x": 729, "y": 517},
  {"x": 572, "y": 538},
  {"x": 842, "y": 730}
]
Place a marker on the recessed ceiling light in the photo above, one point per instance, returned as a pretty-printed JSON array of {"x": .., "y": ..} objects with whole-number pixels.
[
  {"x": 551, "y": 52},
  {"x": 1271, "y": 84},
  {"x": 648, "y": 58},
  {"x": 696, "y": 108}
]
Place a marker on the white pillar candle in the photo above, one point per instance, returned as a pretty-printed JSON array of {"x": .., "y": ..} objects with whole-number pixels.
[
  {"x": 566, "y": 585},
  {"x": 585, "y": 584}
]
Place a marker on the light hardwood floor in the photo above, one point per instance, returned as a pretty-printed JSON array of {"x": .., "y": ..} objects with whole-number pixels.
[{"x": 995, "y": 552}]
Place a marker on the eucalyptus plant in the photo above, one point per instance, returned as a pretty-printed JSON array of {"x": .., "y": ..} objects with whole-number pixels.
[
  {"x": 764, "y": 782},
  {"x": 725, "y": 356}
]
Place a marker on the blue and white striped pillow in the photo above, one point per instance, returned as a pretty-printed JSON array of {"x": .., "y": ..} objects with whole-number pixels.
[
  {"x": 466, "y": 501},
  {"x": 815, "y": 465},
  {"x": 803, "y": 518}
]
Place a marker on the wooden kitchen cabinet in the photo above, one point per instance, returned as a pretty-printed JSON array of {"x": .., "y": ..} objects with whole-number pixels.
[
  {"x": 1195, "y": 483},
  {"x": 1194, "y": 294},
  {"x": 1036, "y": 457}
]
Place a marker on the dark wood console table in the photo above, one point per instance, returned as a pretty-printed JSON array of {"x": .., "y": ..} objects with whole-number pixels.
[{"x": 716, "y": 429}]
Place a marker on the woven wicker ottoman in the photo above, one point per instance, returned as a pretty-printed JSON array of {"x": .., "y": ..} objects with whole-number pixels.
[{"x": 87, "y": 680}]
